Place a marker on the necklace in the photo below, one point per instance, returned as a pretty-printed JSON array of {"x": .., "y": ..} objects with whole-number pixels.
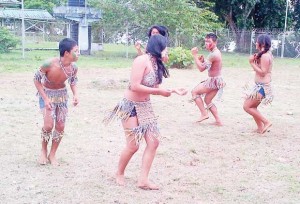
[{"x": 67, "y": 73}]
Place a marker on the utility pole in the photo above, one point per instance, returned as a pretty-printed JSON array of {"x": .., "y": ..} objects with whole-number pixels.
[
  {"x": 23, "y": 31},
  {"x": 284, "y": 31}
]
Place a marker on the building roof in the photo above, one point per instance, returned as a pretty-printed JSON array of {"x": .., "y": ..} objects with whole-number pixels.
[
  {"x": 10, "y": 3},
  {"x": 29, "y": 14}
]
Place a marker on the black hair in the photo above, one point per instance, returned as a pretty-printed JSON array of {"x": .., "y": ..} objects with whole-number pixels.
[
  {"x": 263, "y": 40},
  {"x": 156, "y": 44},
  {"x": 66, "y": 44},
  {"x": 161, "y": 29},
  {"x": 212, "y": 36}
]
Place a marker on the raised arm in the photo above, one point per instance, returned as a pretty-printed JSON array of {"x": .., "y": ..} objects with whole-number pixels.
[
  {"x": 264, "y": 64},
  {"x": 199, "y": 60}
]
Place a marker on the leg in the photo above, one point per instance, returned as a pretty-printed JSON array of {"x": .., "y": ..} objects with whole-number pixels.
[
  {"x": 250, "y": 106},
  {"x": 57, "y": 136},
  {"x": 148, "y": 157},
  {"x": 213, "y": 109},
  {"x": 45, "y": 135},
  {"x": 196, "y": 92},
  {"x": 128, "y": 151},
  {"x": 58, "y": 133}
]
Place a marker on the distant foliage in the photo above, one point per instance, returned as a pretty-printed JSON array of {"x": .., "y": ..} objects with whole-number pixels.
[
  {"x": 180, "y": 58},
  {"x": 7, "y": 40}
]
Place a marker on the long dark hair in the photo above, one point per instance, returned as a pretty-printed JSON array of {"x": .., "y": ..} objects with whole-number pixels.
[
  {"x": 156, "y": 44},
  {"x": 161, "y": 29},
  {"x": 263, "y": 40}
]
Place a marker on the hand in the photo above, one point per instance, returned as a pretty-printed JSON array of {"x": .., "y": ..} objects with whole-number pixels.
[
  {"x": 201, "y": 58},
  {"x": 165, "y": 92},
  {"x": 180, "y": 91},
  {"x": 138, "y": 45},
  {"x": 194, "y": 51},
  {"x": 75, "y": 100},
  {"x": 48, "y": 104},
  {"x": 165, "y": 58},
  {"x": 252, "y": 59}
]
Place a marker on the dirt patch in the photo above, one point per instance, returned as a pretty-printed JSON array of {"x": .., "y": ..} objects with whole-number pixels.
[{"x": 195, "y": 163}]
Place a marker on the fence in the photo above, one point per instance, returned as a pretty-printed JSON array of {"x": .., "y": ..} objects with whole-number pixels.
[{"x": 243, "y": 41}]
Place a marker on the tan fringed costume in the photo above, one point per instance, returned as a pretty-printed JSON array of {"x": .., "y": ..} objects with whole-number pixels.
[
  {"x": 144, "y": 112},
  {"x": 257, "y": 88},
  {"x": 147, "y": 121}
]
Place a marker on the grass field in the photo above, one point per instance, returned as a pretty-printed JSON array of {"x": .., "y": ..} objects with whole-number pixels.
[{"x": 113, "y": 56}]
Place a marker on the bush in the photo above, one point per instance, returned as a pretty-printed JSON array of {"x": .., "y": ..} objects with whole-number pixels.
[
  {"x": 7, "y": 40},
  {"x": 180, "y": 58}
]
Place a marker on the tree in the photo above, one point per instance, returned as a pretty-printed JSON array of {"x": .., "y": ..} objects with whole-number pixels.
[
  {"x": 182, "y": 17},
  {"x": 296, "y": 14},
  {"x": 270, "y": 14},
  {"x": 7, "y": 40},
  {"x": 236, "y": 14},
  {"x": 42, "y": 4}
]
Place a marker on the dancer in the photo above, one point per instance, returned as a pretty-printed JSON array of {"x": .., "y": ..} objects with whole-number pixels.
[
  {"x": 53, "y": 97},
  {"x": 135, "y": 109},
  {"x": 214, "y": 84},
  {"x": 154, "y": 30},
  {"x": 261, "y": 63}
]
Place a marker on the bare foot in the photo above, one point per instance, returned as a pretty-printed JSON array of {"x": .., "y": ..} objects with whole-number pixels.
[
  {"x": 205, "y": 117},
  {"x": 120, "y": 180},
  {"x": 147, "y": 186},
  {"x": 217, "y": 123},
  {"x": 266, "y": 128},
  {"x": 53, "y": 161},
  {"x": 258, "y": 130},
  {"x": 43, "y": 160}
]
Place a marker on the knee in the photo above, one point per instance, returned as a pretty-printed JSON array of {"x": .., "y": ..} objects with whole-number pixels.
[
  {"x": 133, "y": 148},
  {"x": 153, "y": 144},
  {"x": 246, "y": 108},
  {"x": 48, "y": 128},
  {"x": 59, "y": 127},
  {"x": 194, "y": 93}
]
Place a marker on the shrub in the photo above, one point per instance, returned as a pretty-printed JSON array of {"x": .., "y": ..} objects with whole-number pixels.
[
  {"x": 180, "y": 58},
  {"x": 7, "y": 40}
]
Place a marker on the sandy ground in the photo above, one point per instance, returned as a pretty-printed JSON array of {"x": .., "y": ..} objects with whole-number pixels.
[{"x": 195, "y": 163}]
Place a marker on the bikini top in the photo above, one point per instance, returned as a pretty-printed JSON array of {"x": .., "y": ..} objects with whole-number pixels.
[{"x": 150, "y": 79}]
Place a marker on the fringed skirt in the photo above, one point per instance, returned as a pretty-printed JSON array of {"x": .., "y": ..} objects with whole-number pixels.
[
  {"x": 213, "y": 83},
  {"x": 59, "y": 100},
  {"x": 259, "y": 88},
  {"x": 147, "y": 121}
]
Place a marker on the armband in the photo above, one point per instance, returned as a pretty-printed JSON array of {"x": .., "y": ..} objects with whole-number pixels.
[
  {"x": 73, "y": 80},
  {"x": 38, "y": 76}
]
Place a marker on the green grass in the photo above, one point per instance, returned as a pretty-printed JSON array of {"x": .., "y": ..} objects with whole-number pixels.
[{"x": 113, "y": 56}]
